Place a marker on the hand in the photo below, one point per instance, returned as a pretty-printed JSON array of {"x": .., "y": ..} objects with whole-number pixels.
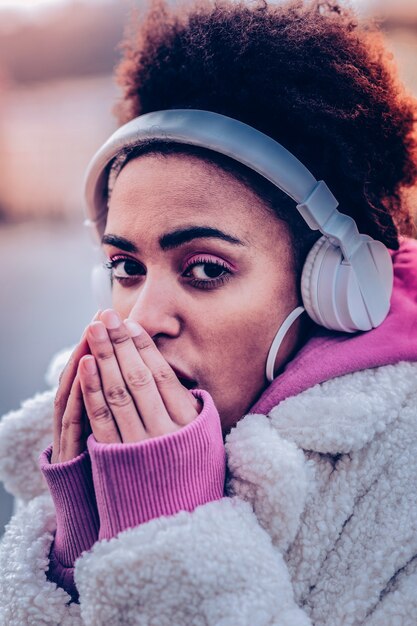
[
  {"x": 130, "y": 392},
  {"x": 71, "y": 428}
]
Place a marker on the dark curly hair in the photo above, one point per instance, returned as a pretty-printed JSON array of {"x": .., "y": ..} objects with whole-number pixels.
[{"x": 308, "y": 75}]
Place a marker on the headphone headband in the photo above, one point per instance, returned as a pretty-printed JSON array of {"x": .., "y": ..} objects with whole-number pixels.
[{"x": 227, "y": 136}]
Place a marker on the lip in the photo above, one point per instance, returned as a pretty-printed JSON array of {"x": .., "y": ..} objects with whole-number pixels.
[{"x": 184, "y": 379}]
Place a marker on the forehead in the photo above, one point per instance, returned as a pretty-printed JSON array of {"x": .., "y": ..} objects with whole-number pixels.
[{"x": 161, "y": 190}]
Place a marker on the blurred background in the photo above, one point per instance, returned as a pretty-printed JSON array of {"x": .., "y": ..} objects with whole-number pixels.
[{"x": 56, "y": 100}]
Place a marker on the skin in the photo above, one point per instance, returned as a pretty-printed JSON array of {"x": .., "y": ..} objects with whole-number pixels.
[{"x": 122, "y": 380}]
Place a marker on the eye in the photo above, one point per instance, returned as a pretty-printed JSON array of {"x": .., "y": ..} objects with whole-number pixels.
[
  {"x": 124, "y": 268},
  {"x": 206, "y": 273}
]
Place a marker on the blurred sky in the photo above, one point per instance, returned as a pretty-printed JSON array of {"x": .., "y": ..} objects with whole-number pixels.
[
  {"x": 31, "y": 5},
  {"x": 34, "y": 6}
]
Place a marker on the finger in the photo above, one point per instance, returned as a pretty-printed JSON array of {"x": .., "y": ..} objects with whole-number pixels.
[
  {"x": 118, "y": 397},
  {"x": 138, "y": 378},
  {"x": 180, "y": 404},
  {"x": 66, "y": 380},
  {"x": 103, "y": 426},
  {"x": 72, "y": 441},
  {"x": 63, "y": 392}
]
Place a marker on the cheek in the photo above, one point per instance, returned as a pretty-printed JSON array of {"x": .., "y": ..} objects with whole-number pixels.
[
  {"x": 233, "y": 369},
  {"x": 123, "y": 301},
  {"x": 238, "y": 340},
  {"x": 237, "y": 343}
]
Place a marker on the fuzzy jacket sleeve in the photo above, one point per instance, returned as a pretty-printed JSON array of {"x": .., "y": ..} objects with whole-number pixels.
[
  {"x": 214, "y": 566},
  {"x": 24, "y": 433},
  {"x": 26, "y": 595}
]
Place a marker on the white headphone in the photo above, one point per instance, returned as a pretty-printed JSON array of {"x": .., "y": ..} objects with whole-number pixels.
[{"x": 347, "y": 277}]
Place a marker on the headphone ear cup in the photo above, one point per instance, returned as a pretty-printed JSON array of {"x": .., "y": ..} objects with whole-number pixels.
[
  {"x": 101, "y": 285},
  {"x": 308, "y": 284},
  {"x": 330, "y": 288}
]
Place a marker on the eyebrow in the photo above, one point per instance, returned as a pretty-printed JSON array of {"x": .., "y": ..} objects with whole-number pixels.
[
  {"x": 184, "y": 235},
  {"x": 119, "y": 242},
  {"x": 174, "y": 239}
]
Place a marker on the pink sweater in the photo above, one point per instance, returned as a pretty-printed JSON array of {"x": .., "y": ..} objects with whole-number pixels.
[{"x": 112, "y": 487}]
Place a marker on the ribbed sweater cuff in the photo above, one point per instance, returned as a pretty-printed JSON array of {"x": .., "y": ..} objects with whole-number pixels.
[
  {"x": 62, "y": 576},
  {"x": 72, "y": 490},
  {"x": 137, "y": 482}
]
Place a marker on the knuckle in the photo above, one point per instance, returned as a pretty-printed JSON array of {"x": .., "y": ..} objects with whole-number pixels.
[
  {"x": 164, "y": 375},
  {"x": 70, "y": 420},
  {"x": 142, "y": 343},
  {"x": 118, "y": 395},
  {"x": 120, "y": 339},
  {"x": 101, "y": 414},
  {"x": 139, "y": 378},
  {"x": 104, "y": 355},
  {"x": 91, "y": 386},
  {"x": 65, "y": 424},
  {"x": 59, "y": 403}
]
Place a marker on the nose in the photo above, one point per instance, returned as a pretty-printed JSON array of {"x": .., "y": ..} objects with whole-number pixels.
[{"x": 155, "y": 308}]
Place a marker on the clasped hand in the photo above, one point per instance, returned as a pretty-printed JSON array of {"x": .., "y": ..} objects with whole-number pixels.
[{"x": 118, "y": 386}]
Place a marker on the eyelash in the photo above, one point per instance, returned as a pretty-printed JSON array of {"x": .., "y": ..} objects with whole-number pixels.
[{"x": 196, "y": 282}]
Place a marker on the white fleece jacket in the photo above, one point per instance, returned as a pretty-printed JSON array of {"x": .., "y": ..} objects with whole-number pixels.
[{"x": 319, "y": 526}]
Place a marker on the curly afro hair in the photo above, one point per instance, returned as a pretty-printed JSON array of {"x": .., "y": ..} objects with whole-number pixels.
[{"x": 308, "y": 75}]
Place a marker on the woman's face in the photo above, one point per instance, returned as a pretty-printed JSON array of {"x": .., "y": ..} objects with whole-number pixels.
[{"x": 203, "y": 266}]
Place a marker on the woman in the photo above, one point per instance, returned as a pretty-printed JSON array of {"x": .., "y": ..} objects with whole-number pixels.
[{"x": 219, "y": 456}]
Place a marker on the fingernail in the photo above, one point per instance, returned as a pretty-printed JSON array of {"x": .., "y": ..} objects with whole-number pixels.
[
  {"x": 90, "y": 364},
  {"x": 133, "y": 328},
  {"x": 110, "y": 319},
  {"x": 96, "y": 316},
  {"x": 98, "y": 331}
]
